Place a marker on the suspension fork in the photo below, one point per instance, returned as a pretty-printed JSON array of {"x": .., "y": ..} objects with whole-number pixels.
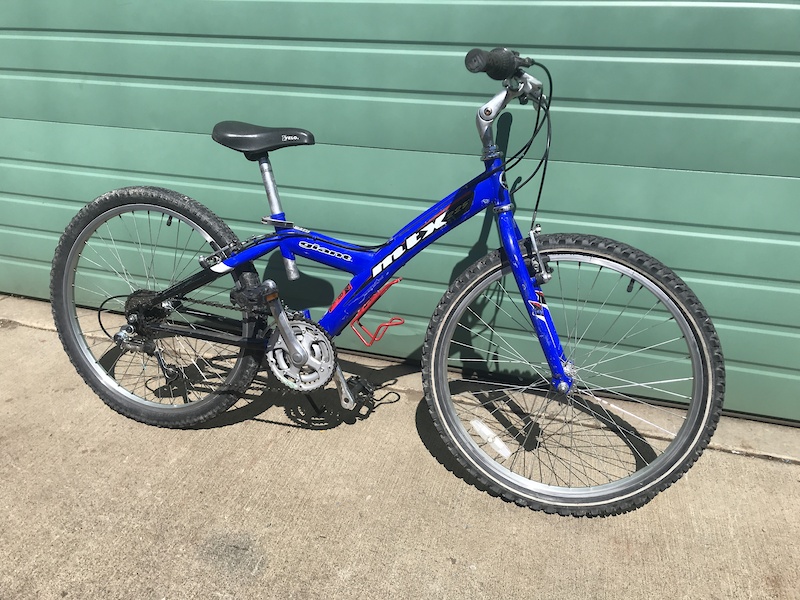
[{"x": 533, "y": 297}]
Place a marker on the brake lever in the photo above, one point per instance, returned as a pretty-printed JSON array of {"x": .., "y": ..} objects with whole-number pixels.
[
  {"x": 531, "y": 87},
  {"x": 524, "y": 87}
]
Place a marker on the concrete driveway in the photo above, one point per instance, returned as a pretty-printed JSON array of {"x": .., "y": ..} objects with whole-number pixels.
[{"x": 271, "y": 501}]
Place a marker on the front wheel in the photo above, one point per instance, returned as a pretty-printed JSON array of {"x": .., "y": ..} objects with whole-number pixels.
[{"x": 647, "y": 368}]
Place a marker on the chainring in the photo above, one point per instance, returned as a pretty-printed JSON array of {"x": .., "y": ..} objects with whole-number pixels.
[{"x": 321, "y": 364}]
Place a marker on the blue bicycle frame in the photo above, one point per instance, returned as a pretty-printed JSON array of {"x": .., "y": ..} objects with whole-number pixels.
[{"x": 373, "y": 267}]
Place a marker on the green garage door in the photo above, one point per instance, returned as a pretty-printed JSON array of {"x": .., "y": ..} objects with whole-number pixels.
[{"x": 676, "y": 129}]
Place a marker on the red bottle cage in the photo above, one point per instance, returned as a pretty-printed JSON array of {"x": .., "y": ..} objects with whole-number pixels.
[{"x": 367, "y": 337}]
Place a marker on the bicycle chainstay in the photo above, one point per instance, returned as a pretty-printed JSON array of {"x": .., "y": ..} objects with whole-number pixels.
[{"x": 260, "y": 311}]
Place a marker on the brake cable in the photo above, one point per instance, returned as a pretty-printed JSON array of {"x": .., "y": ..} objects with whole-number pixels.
[{"x": 542, "y": 104}]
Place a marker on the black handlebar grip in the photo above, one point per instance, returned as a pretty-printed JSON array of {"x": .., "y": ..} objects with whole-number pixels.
[
  {"x": 499, "y": 64},
  {"x": 476, "y": 60}
]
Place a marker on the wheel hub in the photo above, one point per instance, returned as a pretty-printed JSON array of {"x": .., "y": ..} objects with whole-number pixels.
[{"x": 140, "y": 311}]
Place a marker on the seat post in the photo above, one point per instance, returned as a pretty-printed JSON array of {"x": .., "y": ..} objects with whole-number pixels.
[
  {"x": 276, "y": 210},
  {"x": 277, "y": 216}
]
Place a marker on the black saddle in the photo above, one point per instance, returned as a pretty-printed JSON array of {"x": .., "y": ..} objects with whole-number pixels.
[{"x": 256, "y": 141}]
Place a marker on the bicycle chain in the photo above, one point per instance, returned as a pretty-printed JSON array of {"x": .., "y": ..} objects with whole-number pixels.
[
  {"x": 260, "y": 311},
  {"x": 263, "y": 312}
]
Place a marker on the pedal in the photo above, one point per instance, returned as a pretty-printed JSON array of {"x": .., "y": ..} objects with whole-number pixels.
[
  {"x": 352, "y": 390},
  {"x": 360, "y": 387},
  {"x": 254, "y": 297}
]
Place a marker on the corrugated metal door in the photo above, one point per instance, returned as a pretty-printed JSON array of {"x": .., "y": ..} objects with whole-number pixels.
[{"x": 676, "y": 129}]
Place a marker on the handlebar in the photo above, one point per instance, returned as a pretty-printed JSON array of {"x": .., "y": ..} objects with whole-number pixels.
[
  {"x": 507, "y": 66},
  {"x": 499, "y": 64}
]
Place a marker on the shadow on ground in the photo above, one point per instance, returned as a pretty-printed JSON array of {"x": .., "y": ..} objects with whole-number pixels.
[
  {"x": 323, "y": 410},
  {"x": 320, "y": 410}
]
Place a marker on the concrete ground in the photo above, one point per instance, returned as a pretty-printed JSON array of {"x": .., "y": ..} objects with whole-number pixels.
[{"x": 272, "y": 502}]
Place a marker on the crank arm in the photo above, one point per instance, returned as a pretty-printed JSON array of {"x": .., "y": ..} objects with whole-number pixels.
[{"x": 345, "y": 397}]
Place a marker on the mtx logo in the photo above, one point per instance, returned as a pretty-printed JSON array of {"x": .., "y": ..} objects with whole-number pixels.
[{"x": 410, "y": 242}]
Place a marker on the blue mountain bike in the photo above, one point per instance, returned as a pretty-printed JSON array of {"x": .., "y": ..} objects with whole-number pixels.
[{"x": 568, "y": 373}]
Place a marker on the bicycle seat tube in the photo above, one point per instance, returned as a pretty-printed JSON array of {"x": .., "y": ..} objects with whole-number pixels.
[{"x": 277, "y": 216}]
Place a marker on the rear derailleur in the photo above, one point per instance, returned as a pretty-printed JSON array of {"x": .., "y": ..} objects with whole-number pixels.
[{"x": 133, "y": 337}]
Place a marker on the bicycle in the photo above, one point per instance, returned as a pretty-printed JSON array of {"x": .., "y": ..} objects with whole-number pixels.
[{"x": 161, "y": 311}]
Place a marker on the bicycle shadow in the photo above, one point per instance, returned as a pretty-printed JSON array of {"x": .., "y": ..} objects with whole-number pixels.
[
  {"x": 326, "y": 412},
  {"x": 321, "y": 410}
]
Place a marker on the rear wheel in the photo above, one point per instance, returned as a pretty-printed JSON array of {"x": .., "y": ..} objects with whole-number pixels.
[
  {"x": 647, "y": 368},
  {"x": 114, "y": 256}
]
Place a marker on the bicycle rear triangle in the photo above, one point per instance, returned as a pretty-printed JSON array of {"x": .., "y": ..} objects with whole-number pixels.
[{"x": 568, "y": 373}]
